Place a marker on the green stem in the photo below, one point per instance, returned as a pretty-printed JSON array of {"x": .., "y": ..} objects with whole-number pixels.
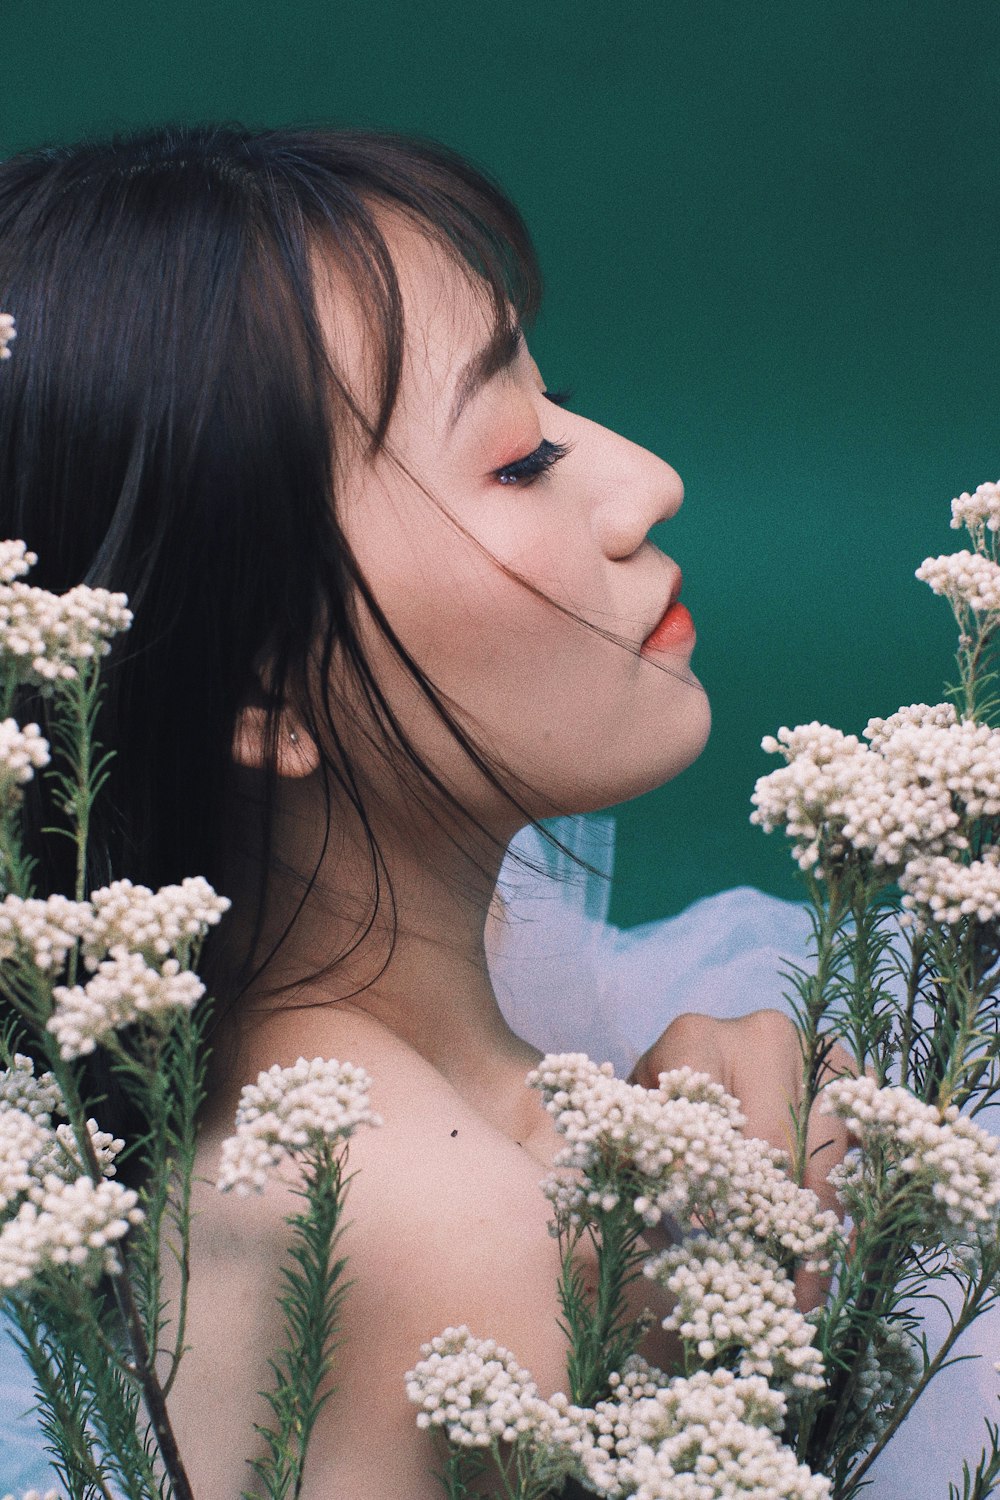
[
  {"x": 74, "y": 1446},
  {"x": 914, "y": 974},
  {"x": 311, "y": 1304},
  {"x": 600, "y": 1336},
  {"x": 829, "y": 913},
  {"x": 142, "y": 1367},
  {"x": 968, "y": 1314}
]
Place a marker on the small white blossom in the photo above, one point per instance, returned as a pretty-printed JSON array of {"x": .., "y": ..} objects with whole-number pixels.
[
  {"x": 124, "y": 988},
  {"x": 678, "y": 1151},
  {"x": 153, "y": 923},
  {"x": 763, "y": 1201},
  {"x": 33, "y": 1153},
  {"x": 69, "y": 1224},
  {"x": 949, "y": 891},
  {"x": 711, "y": 1436},
  {"x": 729, "y": 1295},
  {"x": 62, "y": 1156},
  {"x": 44, "y": 637},
  {"x": 292, "y": 1109},
  {"x": 22, "y": 1141},
  {"x": 965, "y": 579},
  {"x": 723, "y": 1462},
  {"x": 8, "y": 333},
  {"x": 31, "y": 1150},
  {"x": 950, "y": 1160},
  {"x": 42, "y": 930},
  {"x": 15, "y": 560},
  {"x": 22, "y": 753},
  {"x": 879, "y": 732},
  {"x": 977, "y": 512},
  {"x": 477, "y": 1392},
  {"x": 961, "y": 759},
  {"x": 904, "y": 796},
  {"x": 807, "y": 796},
  {"x": 19, "y": 1089}
]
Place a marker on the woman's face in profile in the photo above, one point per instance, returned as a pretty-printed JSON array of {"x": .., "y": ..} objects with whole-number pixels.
[{"x": 580, "y": 718}]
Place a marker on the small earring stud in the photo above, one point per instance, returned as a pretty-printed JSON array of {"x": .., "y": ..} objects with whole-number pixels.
[{"x": 293, "y": 737}]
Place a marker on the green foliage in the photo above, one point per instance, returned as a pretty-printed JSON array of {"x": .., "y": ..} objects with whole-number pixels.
[
  {"x": 601, "y": 1335},
  {"x": 985, "y": 1480},
  {"x": 311, "y": 1303}
]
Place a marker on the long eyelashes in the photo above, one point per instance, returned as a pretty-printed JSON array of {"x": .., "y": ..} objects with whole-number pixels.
[
  {"x": 529, "y": 468},
  {"x": 524, "y": 470}
]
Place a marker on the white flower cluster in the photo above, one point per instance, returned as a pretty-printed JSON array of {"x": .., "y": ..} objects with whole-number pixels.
[
  {"x": 889, "y": 800},
  {"x": 31, "y": 1153},
  {"x": 22, "y": 1142},
  {"x": 710, "y": 1436},
  {"x": 42, "y": 931},
  {"x": 731, "y": 1296},
  {"x": 931, "y": 762},
  {"x": 977, "y": 512},
  {"x": 953, "y": 1163},
  {"x": 36, "y": 1494},
  {"x": 40, "y": 1098},
  {"x": 22, "y": 753},
  {"x": 672, "y": 1150},
  {"x": 950, "y": 891},
  {"x": 809, "y": 797},
  {"x": 966, "y": 579},
  {"x": 902, "y": 801},
  {"x": 153, "y": 923},
  {"x": 8, "y": 334},
  {"x": 31, "y": 1149},
  {"x": 126, "y": 931},
  {"x": 124, "y": 988},
  {"x": 879, "y": 732},
  {"x": 66, "y": 1224},
  {"x": 15, "y": 560},
  {"x": 475, "y": 1390},
  {"x": 44, "y": 636},
  {"x": 51, "y": 1212},
  {"x": 289, "y": 1110},
  {"x": 679, "y": 1152}
]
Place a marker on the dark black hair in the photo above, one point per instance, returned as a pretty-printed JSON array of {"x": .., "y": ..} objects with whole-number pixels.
[{"x": 169, "y": 428}]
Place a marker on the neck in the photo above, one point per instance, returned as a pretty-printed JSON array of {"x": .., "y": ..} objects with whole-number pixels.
[{"x": 428, "y": 983}]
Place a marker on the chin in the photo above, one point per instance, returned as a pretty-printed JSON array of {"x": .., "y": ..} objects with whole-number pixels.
[
  {"x": 671, "y": 753},
  {"x": 633, "y": 769}
]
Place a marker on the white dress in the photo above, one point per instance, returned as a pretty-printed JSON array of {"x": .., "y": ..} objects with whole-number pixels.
[{"x": 567, "y": 980}]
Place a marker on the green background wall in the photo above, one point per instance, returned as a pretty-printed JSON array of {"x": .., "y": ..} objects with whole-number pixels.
[{"x": 769, "y": 233}]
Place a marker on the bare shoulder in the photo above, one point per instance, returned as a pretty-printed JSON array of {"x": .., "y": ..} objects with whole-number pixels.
[{"x": 445, "y": 1225}]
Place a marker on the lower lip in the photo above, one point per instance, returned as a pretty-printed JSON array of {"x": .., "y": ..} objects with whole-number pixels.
[{"x": 675, "y": 631}]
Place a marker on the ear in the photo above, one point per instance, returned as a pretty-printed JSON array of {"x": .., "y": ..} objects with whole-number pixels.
[{"x": 295, "y": 758}]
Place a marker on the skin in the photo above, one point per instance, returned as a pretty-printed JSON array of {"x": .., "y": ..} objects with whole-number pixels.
[{"x": 447, "y": 1222}]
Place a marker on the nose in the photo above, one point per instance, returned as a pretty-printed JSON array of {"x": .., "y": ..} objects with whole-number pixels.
[{"x": 637, "y": 490}]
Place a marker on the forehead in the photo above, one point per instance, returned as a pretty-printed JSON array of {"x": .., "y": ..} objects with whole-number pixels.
[{"x": 447, "y": 315}]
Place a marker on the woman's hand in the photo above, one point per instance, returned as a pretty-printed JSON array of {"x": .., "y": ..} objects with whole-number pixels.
[{"x": 757, "y": 1059}]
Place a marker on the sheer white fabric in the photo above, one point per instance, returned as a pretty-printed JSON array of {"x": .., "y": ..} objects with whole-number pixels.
[{"x": 568, "y": 980}]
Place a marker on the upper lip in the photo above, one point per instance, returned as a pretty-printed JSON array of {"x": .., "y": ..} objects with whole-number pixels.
[{"x": 675, "y": 591}]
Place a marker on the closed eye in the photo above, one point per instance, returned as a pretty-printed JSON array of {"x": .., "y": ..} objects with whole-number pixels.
[{"x": 526, "y": 470}]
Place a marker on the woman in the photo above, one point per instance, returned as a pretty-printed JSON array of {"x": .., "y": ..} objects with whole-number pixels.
[{"x": 393, "y": 604}]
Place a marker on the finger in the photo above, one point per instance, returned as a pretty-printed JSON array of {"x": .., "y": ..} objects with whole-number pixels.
[{"x": 690, "y": 1040}]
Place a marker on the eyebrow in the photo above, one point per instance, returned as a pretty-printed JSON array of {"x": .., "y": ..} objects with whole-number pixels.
[{"x": 499, "y": 354}]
